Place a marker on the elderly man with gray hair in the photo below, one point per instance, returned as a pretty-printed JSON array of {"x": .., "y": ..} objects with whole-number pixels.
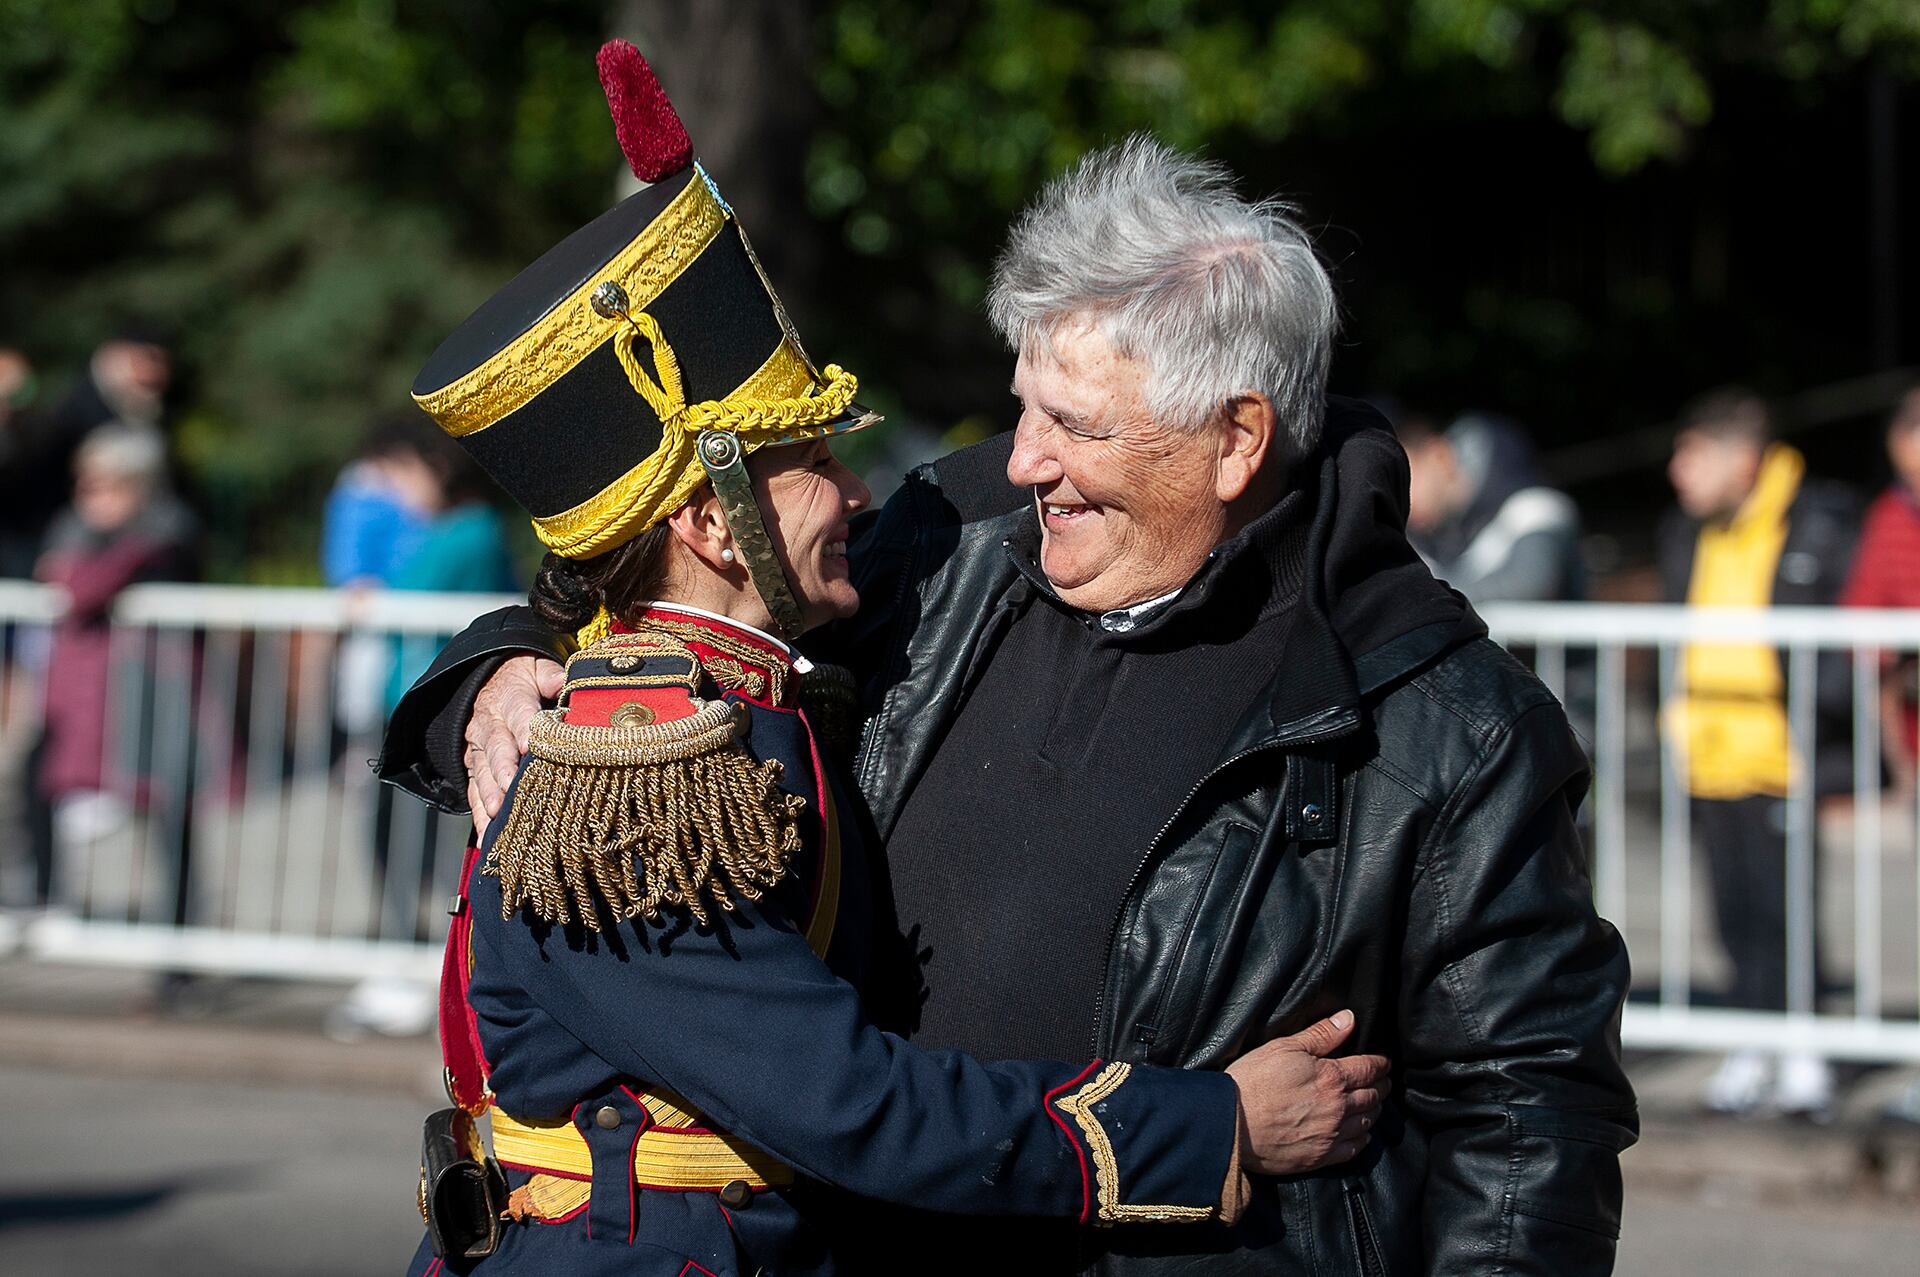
[{"x": 1176, "y": 746}]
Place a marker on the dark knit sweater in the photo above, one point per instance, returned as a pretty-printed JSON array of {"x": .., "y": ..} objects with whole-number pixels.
[{"x": 1074, "y": 748}]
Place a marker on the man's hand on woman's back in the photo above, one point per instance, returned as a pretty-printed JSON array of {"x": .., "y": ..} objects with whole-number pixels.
[{"x": 497, "y": 732}]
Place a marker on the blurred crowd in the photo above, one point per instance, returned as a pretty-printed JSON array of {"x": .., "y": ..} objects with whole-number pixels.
[
  {"x": 91, "y": 501},
  {"x": 88, "y": 502},
  {"x": 1750, "y": 527}
]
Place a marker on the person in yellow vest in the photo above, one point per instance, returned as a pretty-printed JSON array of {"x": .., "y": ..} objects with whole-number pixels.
[{"x": 1752, "y": 530}]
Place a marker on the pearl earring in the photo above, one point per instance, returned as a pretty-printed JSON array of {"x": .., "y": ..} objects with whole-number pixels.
[{"x": 726, "y": 554}]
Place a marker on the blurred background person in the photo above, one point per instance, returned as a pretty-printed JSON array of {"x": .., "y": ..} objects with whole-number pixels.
[
  {"x": 1483, "y": 518},
  {"x": 125, "y": 381},
  {"x": 461, "y": 547},
  {"x": 21, "y": 528},
  {"x": 1886, "y": 573},
  {"x": 379, "y": 507},
  {"x": 373, "y": 521},
  {"x": 124, "y": 526},
  {"x": 1752, "y": 529}
]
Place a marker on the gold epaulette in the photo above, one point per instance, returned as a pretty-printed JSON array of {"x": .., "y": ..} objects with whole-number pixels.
[{"x": 634, "y": 818}]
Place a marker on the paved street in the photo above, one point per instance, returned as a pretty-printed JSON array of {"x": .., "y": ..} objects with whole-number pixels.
[
  {"x": 199, "y": 1178},
  {"x": 179, "y": 1178},
  {"x": 228, "y": 1135},
  {"x": 1689, "y": 1237}
]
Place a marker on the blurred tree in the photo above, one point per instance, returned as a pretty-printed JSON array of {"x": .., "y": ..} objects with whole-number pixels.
[
  {"x": 1525, "y": 200},
  {"x": 741, "y": 76},
  {"x": 307, "y": 195}
]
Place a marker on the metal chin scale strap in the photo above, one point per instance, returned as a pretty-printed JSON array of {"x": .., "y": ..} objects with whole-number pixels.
[{"x": 720, "y": 456}]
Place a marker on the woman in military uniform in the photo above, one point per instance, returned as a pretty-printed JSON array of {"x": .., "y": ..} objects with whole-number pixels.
[{"x": 652, "y": 985}]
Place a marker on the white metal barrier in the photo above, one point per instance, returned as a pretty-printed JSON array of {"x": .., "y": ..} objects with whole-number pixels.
[
  {"x": 1851, "y": 890},
  {"x": 232, "y": 824},
  {"x": 237, "y": 828}
]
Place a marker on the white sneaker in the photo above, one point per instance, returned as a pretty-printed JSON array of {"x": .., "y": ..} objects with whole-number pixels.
[
  {"x": 389, "y": 1005},
  {"x": 1740, "y": 1084},
  {"x": 1805, "y": 1086}
]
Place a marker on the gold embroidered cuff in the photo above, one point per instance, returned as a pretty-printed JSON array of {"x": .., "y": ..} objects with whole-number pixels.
[{"x": 1106, "y": 1167}]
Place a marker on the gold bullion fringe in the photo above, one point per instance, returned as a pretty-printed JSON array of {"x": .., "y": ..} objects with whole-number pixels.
[
  {"x": 633, "y": 819},
  {"x": 547, "y": 1197}
]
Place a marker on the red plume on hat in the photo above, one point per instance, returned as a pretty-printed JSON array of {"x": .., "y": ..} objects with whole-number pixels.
[{"x": 651, "y": 135}]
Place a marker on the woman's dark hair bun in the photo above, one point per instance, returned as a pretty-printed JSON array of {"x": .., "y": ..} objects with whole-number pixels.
[
  {"x": 569, "y": 593},
  {"x": 564, "y": 596}
]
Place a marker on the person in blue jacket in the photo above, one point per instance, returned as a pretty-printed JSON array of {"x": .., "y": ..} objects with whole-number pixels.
[{"x": 667, "y": 946}]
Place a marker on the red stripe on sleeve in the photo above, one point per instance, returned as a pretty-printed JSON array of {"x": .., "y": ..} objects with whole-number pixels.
[{"x": 1086, "y": 1180}]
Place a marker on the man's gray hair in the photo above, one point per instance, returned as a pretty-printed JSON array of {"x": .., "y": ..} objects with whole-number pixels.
[{"x": 1218, "y": 297}]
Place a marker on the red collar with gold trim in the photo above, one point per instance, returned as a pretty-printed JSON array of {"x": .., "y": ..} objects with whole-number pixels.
[{"x": 736, "y": 658}]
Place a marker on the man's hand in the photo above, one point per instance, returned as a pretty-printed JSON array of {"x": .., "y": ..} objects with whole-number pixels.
[
  {"x": 497, "y": 732},
  {"x": 1300, "y": 1109}
]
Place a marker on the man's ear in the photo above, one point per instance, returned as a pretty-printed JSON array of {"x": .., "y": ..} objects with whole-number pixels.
[
  {"x": 702, "y": 529},
  {"x": 1247, "y": 426}
]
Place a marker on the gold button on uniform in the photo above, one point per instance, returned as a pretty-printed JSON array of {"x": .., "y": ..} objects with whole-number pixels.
[
  {"x": 737, "y": 1195},
  {"x": 607, "y": 1117},
  {"x": 632, "y": 714}
]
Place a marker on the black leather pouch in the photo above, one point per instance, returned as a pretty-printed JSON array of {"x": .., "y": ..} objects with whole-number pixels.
[{"x": 462, "y": 1190}]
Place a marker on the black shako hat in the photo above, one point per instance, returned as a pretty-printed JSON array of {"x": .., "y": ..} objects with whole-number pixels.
[{"x": 645, "y": 354}]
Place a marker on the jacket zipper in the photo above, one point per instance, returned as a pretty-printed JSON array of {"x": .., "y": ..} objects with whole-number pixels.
[
  {"x": 1364, "y": 1240},
  {"x": 1140, "y": 869}
]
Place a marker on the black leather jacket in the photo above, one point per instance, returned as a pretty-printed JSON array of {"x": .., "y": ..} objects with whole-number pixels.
[{"x": 1393, "y": 833}]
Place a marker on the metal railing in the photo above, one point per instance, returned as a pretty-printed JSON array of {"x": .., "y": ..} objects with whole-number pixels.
[
  {"x": 1852, "y": 897},
  {"x": 232, "y": 824},
  {"x": 235, "y": 826}
]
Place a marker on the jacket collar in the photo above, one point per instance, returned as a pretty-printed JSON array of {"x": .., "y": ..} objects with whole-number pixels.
[
  {"x": 1316, "y": 697},
  {"x": 1315, "y": 704}
]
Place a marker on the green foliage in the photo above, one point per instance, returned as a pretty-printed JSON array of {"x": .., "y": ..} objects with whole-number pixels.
[
  {"x": 1636, "y": 93},
  {"x": 941, "y": 118},
  {"x": 308, "y": 195},
  {"x": 311, "y": 194}
]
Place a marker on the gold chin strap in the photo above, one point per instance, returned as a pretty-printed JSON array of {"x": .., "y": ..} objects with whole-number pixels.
[{"x": 725, "y": 465}]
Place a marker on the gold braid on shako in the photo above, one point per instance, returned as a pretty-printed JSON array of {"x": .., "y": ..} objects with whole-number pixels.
[{"x": 643, "y": 356}]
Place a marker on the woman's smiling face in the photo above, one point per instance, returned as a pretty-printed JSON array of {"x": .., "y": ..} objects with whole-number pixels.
[{"x": 808, "y": 496}]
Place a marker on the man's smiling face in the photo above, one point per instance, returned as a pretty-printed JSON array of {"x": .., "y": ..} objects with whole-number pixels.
[{"x": 1129, "y": 508}]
